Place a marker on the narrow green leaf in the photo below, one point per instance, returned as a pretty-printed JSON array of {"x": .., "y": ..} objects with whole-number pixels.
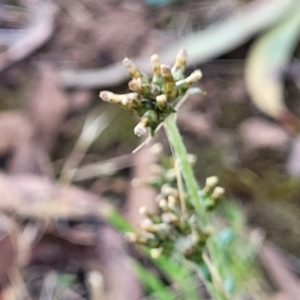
[
  {"x": 267, "y": 58},
  {"x": 152, "y": 283}
]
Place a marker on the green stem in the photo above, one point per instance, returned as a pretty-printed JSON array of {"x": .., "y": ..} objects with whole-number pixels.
[
  {"x": 192, "y": 186},
  {"x": 181, "y": 155}
]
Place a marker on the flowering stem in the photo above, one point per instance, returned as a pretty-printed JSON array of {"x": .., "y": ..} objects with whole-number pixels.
[
  {"x": 181, "y": 155},
  {"x": 193, "y": 190}
]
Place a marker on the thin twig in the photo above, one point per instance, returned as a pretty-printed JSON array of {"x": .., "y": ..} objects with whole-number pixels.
[{"x": 92, "y": 128}]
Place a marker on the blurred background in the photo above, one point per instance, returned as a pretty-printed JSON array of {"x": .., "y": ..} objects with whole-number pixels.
[{"x": 65, "y": 156}]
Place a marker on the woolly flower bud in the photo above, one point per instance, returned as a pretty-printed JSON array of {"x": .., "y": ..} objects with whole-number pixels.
[
  {"x": 131, "y": 68},
  {"x": 157, "y": 149},
  {"x": 136, "y": 182},
  {"x": 172, "y": 201},
  {"x": 161, "y": 101},
  {"x": 129, "y": 100},
  {"x": 169, "y": 87},
  {"x": 192, "y": 158},
  {"x": 162, "y": 230},
  {"x": 156, "y": 169},
  {"x": 163, "y": 204},
  {"x": 135, "y": 84},
  {"x": 140, "y": 129},
  {"x": 149, "y": 239},
  {"x": 171, "y": 175},
  {"x": 147, "y": 224},
  {"x": 156, "y": 252},
  {"x": 185, "y": 83},
  {"x": 180, "y": 61},
  {"x": 179, "y": 65},
  {"x": 155, "y": 64},
  {"x": 169, "y": 217},
  {"x": 210, "y": 183},
  {"x": 218, "y": 193},
  {"x": 131, "y": 237},
  {"x": 168, "y": 190},
  {"x": 165, "y": 71},
  {"x": 105, "y": 96},
  {"x": 194, "y": 77},
  {"x": 143, "y": 211}
]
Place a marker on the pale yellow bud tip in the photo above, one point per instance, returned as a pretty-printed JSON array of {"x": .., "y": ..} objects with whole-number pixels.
[
  {"x": 165, "y": 70},
  {"x": 135, "y": 84},
  {"x": 162, "y": 99},
  {"x": 147, "y": 225},
  {"x": 131, "y": 237},
  {"x": 163, "y": 204},
  {"x": 218, "y": 192},
  {"x": 182, "y": 54},
  {"x": 212, "y": 181},
  {"x": 105, "y": 95},
  {"x": 157, "y": 149},
  {"x": 154, "y": 59},
  {"x": 156, "y": 252},
  {"x": 143, "y": 210},
  {"x": 135, "y": 182},
  {"x": 196, "y": 75},
  {"x": 127, "y": 62},
  {"x": 140, "y": 129},
  {"x": 192, "y": 158}
]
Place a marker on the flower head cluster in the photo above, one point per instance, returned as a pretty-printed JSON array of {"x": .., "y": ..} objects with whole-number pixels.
[
  {"x": 175, "y": 226},
  {"x": 153, "y": 99}
]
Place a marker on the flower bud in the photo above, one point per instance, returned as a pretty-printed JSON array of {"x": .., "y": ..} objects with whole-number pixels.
[
  {"x": 156, "y": 169},
  {"x": 218, "y": 193},
  {"x": 163, "y": 204},
  {"x": 129, "y": 101},
  {"x": 184, "y": 84},
  {"x": 131, "y": 68},
  {"x": 154, "y": 218},
  {"x": 170, "y": 218},
  {"x": 162, "y": 230},
  {"x": 140, "y": 129},
  {"x": 192, "y": 158},
  {"x": 168, "y": 190},
  {"x": 136, "y": 182},
  {"x": 149, "y": 119},
  {"x": 161, "y": 101},
  {"x": 194, "y": 77},
  {"x": 137, "y": 86},
  {"x": 179, "y": 65},
  {"x": 149, "y": 239},
  {"x": 171, "y": 175},
  {"x": 131, "y": 237},
  {"x": 147, "y": 225},
  {"x": 155, "y": 64},
  {"x": 169, "y": 86},
  {"x": 143, "y": 211},
  {"x": 156, "y": 252},
  {"x": 158, "y": 150},
  {"x": 210, "y": 184},
  {"x": 172, "y": 203}
]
